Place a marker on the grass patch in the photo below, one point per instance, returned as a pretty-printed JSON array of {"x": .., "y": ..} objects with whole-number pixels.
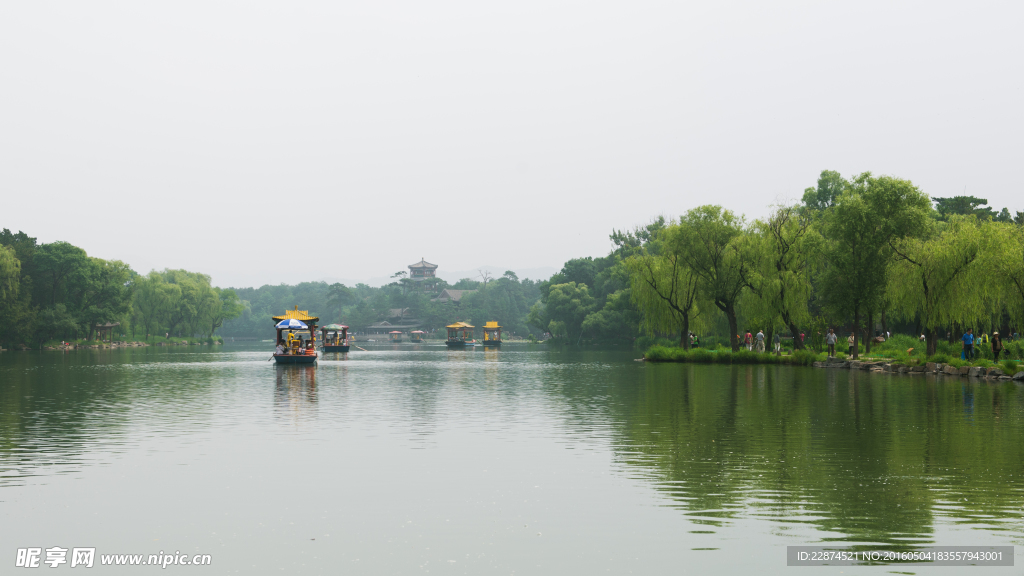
[
  {"x": 721, "y": 356},
  {"x": 1010, "y": 367}
]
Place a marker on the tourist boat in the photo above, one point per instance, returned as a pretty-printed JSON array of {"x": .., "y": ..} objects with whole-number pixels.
[
  {"x": 460, "y": 335},
  {"x": 492, "y": 334},
  {"x": 334, "y": 338},
  {"x": 416, "y": 336},
  {"x": 395, "y": 336},
  {"x": 296, "y": 331}
]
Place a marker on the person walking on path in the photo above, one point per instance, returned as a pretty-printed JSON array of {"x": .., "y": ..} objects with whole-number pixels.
[
  {"x": 997, "y": 346},
  {"x": 852, "y": 340},
  {"x": 967, "y": 343},
  {"x": 777, "y": 342},
  {"x": 830, "y": 340},
  {"x": 760, "y": 341}
]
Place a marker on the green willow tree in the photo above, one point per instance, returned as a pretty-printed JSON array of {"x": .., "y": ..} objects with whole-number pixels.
[
  {"x": 1007, "y": 242},
  {"x": 859, "y": 229},
  {"x": 939, "y": 278},
  {"x": 663, "y": 288},
  {"x": 709, "y": 244},
  {"x": 787, "y": 247},
  {"x": 10, "y": 275}
]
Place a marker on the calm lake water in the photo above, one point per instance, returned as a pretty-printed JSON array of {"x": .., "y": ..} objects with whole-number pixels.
[{"x": 406, "y": 459}]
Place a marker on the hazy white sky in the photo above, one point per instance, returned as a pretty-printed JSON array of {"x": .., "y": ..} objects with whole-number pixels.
[{"x": 276, "y": 142}]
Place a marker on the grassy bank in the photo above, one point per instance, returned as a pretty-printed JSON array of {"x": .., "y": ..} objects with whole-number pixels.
[
  {"x": 899, "y": 350},
  {"x": 725, "y": 356}
]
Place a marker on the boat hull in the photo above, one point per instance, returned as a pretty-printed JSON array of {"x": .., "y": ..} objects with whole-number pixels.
[
  {"x": 458, "y": 345},
  {"x": 492, "y": 343},
  {"x": 336, "y": 348},
  {"x": 295, "y": 358}
]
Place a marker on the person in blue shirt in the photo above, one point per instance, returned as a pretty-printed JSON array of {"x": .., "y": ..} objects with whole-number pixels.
[{"x": 968, "y": 344}]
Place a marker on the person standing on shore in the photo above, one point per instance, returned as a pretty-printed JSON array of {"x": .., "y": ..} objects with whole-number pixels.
[
  {"x": 749, "y": 339},
  {"x": 777, "y": 342},
  {"x": 760, "y": 341},
  {"x": 997, "y": 346},
  {"x": 852, "y": 340},
  {"x": 830, "y": 340},
  {"x": 967, "y": 343}
]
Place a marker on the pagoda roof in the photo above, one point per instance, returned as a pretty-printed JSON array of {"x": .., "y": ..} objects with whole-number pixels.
[
  {"x": 460, "y": 325},
  {"x": 423, "y": 264},
  {"x": 297, "y": 315},
  {"x": 491, "y": 325}
]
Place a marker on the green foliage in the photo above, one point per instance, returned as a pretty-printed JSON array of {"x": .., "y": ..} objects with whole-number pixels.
[
  {"x": 710, "y": 244},
  {"x": 940, "y": 358},
  {"x": 10, "y": 274},
  {"x": 824, "y": 196},
  {"x": 567, "y": 306},
  {"x": 58, "y": 292},
  {"x": 966, "y": 206},
  {"x": 663, "y": 288},
  {"x": 722, "y": 356},
  {"x": 1010, "y": 367}
]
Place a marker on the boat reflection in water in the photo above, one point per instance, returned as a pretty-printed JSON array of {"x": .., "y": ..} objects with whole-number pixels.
[{"x": 295, "y": 392}]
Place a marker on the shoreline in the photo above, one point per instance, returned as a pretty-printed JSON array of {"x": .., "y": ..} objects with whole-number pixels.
[{"x": 659, "y": 354}]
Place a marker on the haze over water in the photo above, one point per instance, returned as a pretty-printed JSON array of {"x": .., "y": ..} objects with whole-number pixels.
[{"x": 523, "y": 460}]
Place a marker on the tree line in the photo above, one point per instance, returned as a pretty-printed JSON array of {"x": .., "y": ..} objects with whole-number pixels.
[
  {"x": 860, "y": 253},
  {"x": 506, "y": 299},
  {"x": 57, "y": 291}
]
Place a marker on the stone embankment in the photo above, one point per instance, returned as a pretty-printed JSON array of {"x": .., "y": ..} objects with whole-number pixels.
[{"x": 928, "y": 368}]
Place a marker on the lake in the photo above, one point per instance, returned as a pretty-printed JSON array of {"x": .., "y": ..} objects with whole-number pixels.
[{"x": 412, "y": 459}]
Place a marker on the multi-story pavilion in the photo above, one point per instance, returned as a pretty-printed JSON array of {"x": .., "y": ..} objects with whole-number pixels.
[{"x": 423, "y": 274}]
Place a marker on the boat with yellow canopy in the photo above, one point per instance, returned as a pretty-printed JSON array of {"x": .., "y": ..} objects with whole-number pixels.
[
  {"x": 296, "y": 337},
  {"x": 492, "y": 335},
  {"x": 460, "y": 335}
]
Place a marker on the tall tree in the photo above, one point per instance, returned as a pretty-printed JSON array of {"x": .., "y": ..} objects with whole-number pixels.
[
  {"x": 709, "y": 245},
  {"x": 938, "y": 277},
  {"x": 664, "y": 289},
  {"x": 56, "y": 263},
  {"x": 859, "y": 231},
  {"x": 10, "y": 274},
  {"x": 1007, "y": 242},
  {"x": 824, "y": 195},
  {"x": 567, "y": 306},
  {"x": 962, "y": 206},
  {"x": 782, "y": 283}
]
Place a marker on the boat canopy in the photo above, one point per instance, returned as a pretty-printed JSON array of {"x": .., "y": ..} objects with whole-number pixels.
[
  {"x": 335, "y": 327},
  {"x": 458, "y": 325},
  {"x": 297, "y": 315},
  {"x": 394, "y": 332},
  {"x": 417, "y": 332},
  {"x": 491, "y": 326}
]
